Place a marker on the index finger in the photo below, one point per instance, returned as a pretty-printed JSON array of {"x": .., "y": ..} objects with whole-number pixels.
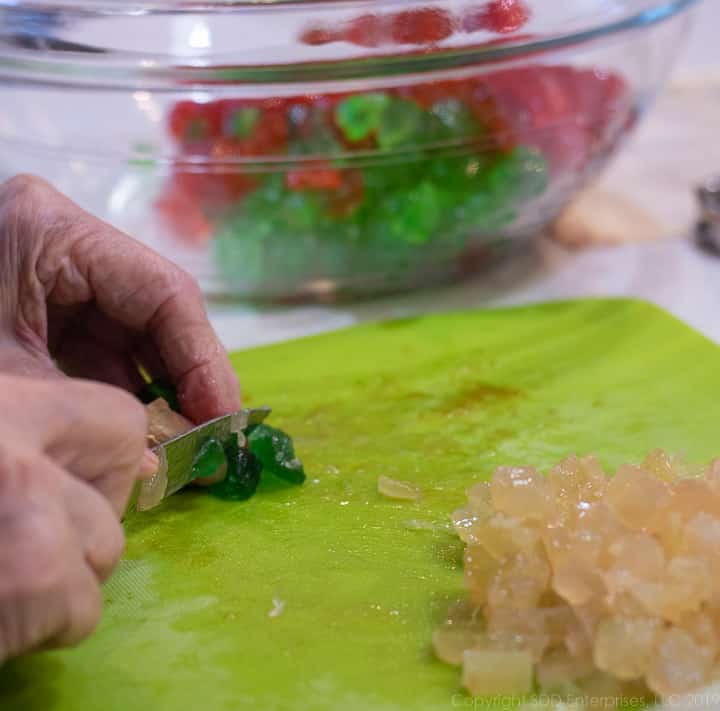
[{"x": 138, "y": 288}]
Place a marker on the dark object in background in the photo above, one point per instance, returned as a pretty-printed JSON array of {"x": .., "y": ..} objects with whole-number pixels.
[{"x": 707, "y": 232}]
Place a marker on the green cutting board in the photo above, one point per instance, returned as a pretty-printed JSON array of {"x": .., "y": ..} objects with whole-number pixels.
[{"x": 360, "y": 581}]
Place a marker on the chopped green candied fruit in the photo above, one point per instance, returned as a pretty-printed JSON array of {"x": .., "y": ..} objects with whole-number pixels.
[
  {"x": 242, "y": 122},
  {"x": 209, "y": 460},
  {"x": 403, "y": 123},
  {"x": 276, "y": 452},
  {"x": 243, "y": 473},
  {"x": 453, "y": 119},
  {"x": 517, "y": 176},
  {"x": 160, "y": 388},
  {"x": 414, "y": 216},
  {"x": 360, "y": 116}
]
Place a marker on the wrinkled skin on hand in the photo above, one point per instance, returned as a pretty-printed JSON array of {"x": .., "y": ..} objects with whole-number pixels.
[
  {"x": 81, "y": 306},
  {"x": 75, "y": 289}
]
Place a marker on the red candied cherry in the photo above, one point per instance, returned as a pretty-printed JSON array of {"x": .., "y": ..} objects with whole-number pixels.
[
  {"x": 231, "y": 184},
  {"x": 314, "y": 177},
  {"x": 238, "y": 118},
  {"x": 317, "y": 35},
  {"x": 349, "y": 196},
  {"x": 366, "y": 31},
  {"x": 183, "y": 216},
  {"x": 190, "y": 121},
  {"x": 251, "y": 129},
  {"x": 501, "y": 16},
  {"x": 430, "y": 93},
  {"x": 272, "y": 131},
  {"x": 424, "y": 25},
  {"x": 487, "y": 112}
]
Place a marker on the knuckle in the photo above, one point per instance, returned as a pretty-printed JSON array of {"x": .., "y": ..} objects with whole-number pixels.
[
  {"x": 85, "y": 612},
  {"x": 98, "y": 400},
  {"x": 23, "y": 184},
  {"x": 22, "y": 190},
  {"x": 110, "y": 545},
  {"x": 129, "y": 407},
  {"x": 188, "y": 283},
  {"x": 34, "y": 566},
  {"x": 20, "y": 476},
  {"x": 178, "y": 281}
]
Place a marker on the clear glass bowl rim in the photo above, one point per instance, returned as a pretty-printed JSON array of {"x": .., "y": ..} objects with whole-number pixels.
[{"x": 128, "y": 70}]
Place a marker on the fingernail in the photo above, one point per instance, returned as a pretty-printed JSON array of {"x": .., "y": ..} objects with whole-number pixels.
[{"x": 150, "y": 464}]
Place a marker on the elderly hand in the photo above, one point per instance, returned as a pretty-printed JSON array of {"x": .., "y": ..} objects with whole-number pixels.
[
  {"x": 76, "y": 290},
  {"x": 70, "y": 451},
  {"x": 79, "y": 298}
]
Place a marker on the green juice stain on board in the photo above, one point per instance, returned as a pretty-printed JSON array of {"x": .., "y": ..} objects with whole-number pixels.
[{"x": 362, "y": 580}]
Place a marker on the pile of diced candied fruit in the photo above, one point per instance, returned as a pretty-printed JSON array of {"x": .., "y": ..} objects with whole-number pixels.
[{"x": 579, "y": 581}]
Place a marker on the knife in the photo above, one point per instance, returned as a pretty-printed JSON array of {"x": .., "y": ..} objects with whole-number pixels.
[{"x": 177, "y": 455}]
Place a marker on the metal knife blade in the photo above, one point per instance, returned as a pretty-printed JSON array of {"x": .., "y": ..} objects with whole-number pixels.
[{"x": 177, "y": 455}]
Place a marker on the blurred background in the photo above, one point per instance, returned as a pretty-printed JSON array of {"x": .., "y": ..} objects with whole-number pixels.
[{"x": 314, "y": 164}]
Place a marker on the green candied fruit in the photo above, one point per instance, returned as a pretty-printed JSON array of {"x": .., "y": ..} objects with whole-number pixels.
[
  {"x": 456, "y": 174},
  {"x": 209, "y": 461},
  {"x": 243, "y": 473},
  {"x": 453, "y": 119},
  {"x": 301, "y": 211},
  {"x": 414, "y": 215},
  {"x": 403, "y": 123},
  {"x": 485, "y": 213},
  {"x": 243, "y": 121},
  {"x": 160, "y": 388},
  {"x": 517, "y": 176},
  {"x": 311, "y": 133},
  {"x": 359, "y": 116},
  {"x": 275, "y": 451}
]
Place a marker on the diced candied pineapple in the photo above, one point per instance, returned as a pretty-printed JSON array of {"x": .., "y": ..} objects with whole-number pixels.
[
  {"x": 702, "y": 627},
  {"x": 702, "y": 535},
  {"x": 480, "y": 567},
  {"x": 700, "y": 538},
  {"x": 519, "y": 629},
  {"x": 549, "y": 704},
  {"x": 635, "y": 496},
  {"x": 520, "y": 582},
  {"x": 479, "y": 499},
  {"x": 608, "y": 587},
  {"x": 575, "y": 582},
  {"x": 558, "y": 671},
  {"x": 397, "y": 489},
  {"x": 559, "y": 622},
  {"x": 451, "y": 641},
  {"x": 688, "y": 585},
  {"x": 468, "y": 525},
  {"x": 576, "y": 482},
  {"x": 679, "y": 663},
  {"x": 503, "y": 536},
  {"x": 597, "y": 529},
  {"x": 491, "y": 672},
  {"x": 625, "y": 646},
  {"x": 694, "y": 496},
  {"x": 523, "y": 493},
  {"x": 712, "y": 474},
  {"x": 660, "y": 465},
  {"x": 636, "y": 558},
  {"x": 605, "y": 691}
]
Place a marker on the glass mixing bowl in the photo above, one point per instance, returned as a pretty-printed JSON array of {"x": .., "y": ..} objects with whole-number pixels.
[{"x": 317, "y": 149}]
